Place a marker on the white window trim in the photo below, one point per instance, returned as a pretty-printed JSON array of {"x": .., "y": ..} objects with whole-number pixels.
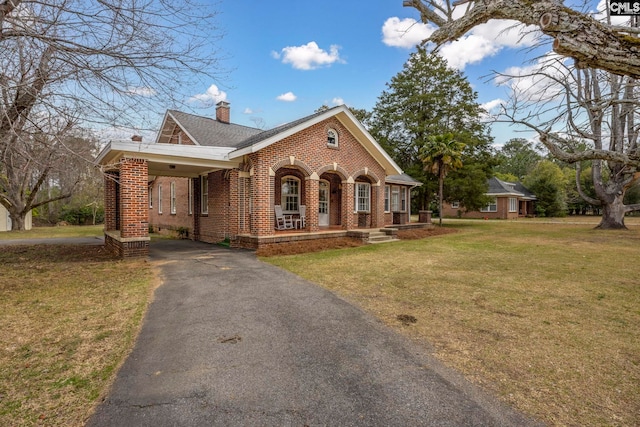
[
  {"x": 513, "y": 204},
  {"x": 367, "y": 198},
  {"x": 395, "y": 199},
  {"x": 150, "y": 196},
  {"x": 403, "y": 199},
  {"x": 455, "y": 205},
  {"x": 488, "y": 208},
  {"x": 387, "y": 198},
  {"x": 172, "y": 200},
  {"x": 297, "y": 195},
  {"x": 160, "y": 198},
  {"x": 204, "y": 194},
  {"x": 335, "y": 138}
]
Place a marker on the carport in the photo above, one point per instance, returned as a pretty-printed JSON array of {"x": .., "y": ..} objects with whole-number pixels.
[{"x": 128, "y": 166}]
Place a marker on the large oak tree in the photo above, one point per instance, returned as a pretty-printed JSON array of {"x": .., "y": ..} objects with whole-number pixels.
[
  {"x": 591, "y": 102},
  {"x": 66, "y": 64}
]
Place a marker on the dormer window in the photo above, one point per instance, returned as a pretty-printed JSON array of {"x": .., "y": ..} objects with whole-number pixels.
[{"x": 332, "y": 138}]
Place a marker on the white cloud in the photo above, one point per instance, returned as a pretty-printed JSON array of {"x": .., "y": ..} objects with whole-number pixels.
[
  {"x": 507, "y": 33},
  {"x": 287, "y": 97},
  {"x": 493, "y": 106},
  {"x": 213, "y": 95},
  {"x": 337, "y": 101},
  {"x": 483, "y": 41},
  {"x": 535, "y": 82},
  {"x": 247, "y": 111},
  {"x": 308, "y": 56},
  {"x": 468, "y": 50},
  {"x": 405, "y": 33}
]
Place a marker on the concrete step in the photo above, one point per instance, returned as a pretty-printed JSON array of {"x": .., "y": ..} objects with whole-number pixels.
[
  {"x": 390, "y": 239},
  {"x": 376, "y": 236}
]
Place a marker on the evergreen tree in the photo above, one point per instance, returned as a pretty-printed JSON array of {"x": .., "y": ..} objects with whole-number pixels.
[{"x": 428, "y": 98}]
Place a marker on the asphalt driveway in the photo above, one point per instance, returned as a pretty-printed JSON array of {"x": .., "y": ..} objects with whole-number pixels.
[{"x": 232, "y": 341}]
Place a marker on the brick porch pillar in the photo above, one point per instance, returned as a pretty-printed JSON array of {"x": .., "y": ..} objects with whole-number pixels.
[
  {"x": 348, "y": 217},
  {"x": 312, "y": 193},
  {"x": 129, "y": 236},
  {"x": 111, "y": 200}
]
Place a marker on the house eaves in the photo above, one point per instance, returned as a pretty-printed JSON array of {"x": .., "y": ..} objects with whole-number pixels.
[{"x": 169, "y": 159}]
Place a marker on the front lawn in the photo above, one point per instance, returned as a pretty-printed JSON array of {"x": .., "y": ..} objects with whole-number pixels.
[
  {"x": 69, "y": 316},
  {"x": 546, "y": 316}
]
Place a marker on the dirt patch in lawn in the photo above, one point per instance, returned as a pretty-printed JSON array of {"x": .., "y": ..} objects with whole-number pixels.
[
  {"x": 421, "y": 233},
  {"x": 317, "y": 245}
]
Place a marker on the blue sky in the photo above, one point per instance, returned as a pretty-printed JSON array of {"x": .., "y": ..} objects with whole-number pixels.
[{"x": 287, "y": 58}]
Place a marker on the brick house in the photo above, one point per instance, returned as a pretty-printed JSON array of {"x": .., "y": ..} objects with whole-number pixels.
[
  {"x": 510, "y": 201},
  {"x": 214, "y": 180}
]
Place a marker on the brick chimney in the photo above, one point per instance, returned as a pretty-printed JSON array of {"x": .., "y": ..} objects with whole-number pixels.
[
  {"x": 222, "y": 112},
  {"x": 136, "y": 138}
]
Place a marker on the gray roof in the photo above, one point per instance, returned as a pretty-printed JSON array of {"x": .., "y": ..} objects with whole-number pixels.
[
  {"x": 503, "y": 188},
  {"x": 402, "y": 179},
  {"x": 210, "y": 132},
  {"x": 254, "y": 139}
]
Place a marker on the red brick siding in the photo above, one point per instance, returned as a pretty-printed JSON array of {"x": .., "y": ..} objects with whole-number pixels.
[
  {"x": 134, "y": 204},
  {"x": 501, "y": 213},
  {"x": 179, "y": 137},
  {"x": 166, "y": 220},
  {"x": 309, "y": 148},
  {"x": 110, "y": 200}
]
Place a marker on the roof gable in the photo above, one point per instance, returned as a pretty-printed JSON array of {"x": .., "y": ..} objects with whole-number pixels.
[
  {"x": 264, "y": 139},
  {"x": 204, "y": 130}
]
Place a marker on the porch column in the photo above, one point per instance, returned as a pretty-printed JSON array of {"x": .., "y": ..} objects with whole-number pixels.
[
  {"x": 262, "y": 216},
  {"x": 129, "y": 236},
  {"x": 348, "y": 218},
  {"x": 377, "y": 206},
  {"x": 111, "y": 200},
  {"x": 312, "y": 201}
]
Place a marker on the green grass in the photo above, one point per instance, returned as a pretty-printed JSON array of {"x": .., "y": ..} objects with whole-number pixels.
[
  {"x": 46, "y": 232},
  {"x": 69, "y": 316},
  {"x": 544, "y": 315}
]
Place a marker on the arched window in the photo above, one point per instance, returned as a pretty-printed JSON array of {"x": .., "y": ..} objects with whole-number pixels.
[
  {"x": 332, "y": 138},
  {"x": 290, "y": 194}
]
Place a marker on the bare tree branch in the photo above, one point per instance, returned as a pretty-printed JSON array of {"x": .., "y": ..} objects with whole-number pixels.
[{"x": 592, "y": 44}]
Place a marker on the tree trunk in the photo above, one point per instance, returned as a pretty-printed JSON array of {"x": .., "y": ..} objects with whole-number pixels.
[
  {"x": 440, "y": 192},
  {"x": 613, "y": 215},
  {"x": 17, "y": 221}
]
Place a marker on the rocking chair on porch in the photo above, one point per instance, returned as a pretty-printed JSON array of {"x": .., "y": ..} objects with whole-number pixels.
[
  {"x": 283, "y": 222},
  {"x": 301, "y": 222}
]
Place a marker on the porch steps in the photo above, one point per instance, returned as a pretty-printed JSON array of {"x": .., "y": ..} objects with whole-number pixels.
[{"x": 378, "y": 236}]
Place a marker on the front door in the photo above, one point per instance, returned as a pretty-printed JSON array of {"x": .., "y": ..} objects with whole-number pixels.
[{"x": 323, "y": 204}]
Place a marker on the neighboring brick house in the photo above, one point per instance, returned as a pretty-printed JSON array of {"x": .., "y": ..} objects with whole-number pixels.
[
  {"x": 510, "y": 201},
  {"x": 220, "y": 181}
]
